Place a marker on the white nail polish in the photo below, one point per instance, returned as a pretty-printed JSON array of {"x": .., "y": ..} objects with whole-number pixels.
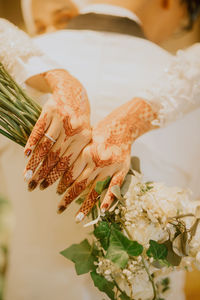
[
  {"x": 28, "y": 175},
  {"x": 80, "y": 217},
  {"x": 103, "y": 210}
]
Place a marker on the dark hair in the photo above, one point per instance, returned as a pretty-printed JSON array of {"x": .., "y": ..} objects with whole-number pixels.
[{"x": 193, "y": 7}]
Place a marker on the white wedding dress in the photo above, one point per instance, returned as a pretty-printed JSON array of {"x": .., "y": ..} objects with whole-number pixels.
[{"x": 113, "y": 68}]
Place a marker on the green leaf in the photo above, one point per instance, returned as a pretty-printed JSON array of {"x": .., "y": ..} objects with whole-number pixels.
[
  {"x": 102, "y": 232},
  {"x": 135, "y": 164},
  {"x": 180, "y": 244},
  {"x": 102, "y": 185},
  {"x": 120, "y": 248},
  {"x": 103, "y": 285},
  {"x": 172, "y": 257},
  {"x": 82, "y": 255},
  {"x": 79, "y": 201},
  {"x": 165, "y": 282},
  {"x": 161, "y": 263},
  {"x": 117, "y": 192},
  {"x": 157, "y": 251},
  {"x": 124, "y": 296}
]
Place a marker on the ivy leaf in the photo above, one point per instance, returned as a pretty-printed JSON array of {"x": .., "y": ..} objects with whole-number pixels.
[
  {"x": 102, "y": 232},
  {"x": 103, "y": 285},
  {"x": 157, "y": 251},
  {"x": 82, "y": 255},
  {"x": 124, "y": 296},
  {"x": 102, "y": 185},
  {"x": 120, "y": 248}
]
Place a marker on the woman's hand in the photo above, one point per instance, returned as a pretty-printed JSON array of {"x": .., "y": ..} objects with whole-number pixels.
[
  {"x": 61, "y": 132},
  {"x": 108, "y": 154}
]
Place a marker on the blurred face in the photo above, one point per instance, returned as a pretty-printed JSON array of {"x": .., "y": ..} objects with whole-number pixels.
[
  {"x": 165, "y": 17},
  {"x": 51, "y": 15}
]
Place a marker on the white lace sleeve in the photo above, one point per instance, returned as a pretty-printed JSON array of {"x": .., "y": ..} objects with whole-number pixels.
[
  {"x": 178, "y": 91},
  {"x": 19, "y": 54}
]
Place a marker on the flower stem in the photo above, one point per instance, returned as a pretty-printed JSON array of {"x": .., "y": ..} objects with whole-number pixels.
[
  {"x": 18, "y": 112},
  {"x": 150, "y": 278}
]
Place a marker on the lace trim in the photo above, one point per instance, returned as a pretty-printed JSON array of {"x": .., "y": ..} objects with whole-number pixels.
[
  {"x": 15, "y": 48},
  {"x": 179, "y": 90}
]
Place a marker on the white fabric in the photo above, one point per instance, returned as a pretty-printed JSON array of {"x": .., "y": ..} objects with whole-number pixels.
[
  {"x": 113, "y": 68},
  {"x": 110, "y": 10},
  {"x": 19, "y": 55},
  {"x": 179, "y": 90}
]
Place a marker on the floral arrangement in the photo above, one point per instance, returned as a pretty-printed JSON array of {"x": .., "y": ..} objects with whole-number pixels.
[{"x": 150, "y": 231}]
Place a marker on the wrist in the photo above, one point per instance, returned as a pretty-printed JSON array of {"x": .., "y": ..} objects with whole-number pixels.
[{"x": 126, "y": 123}]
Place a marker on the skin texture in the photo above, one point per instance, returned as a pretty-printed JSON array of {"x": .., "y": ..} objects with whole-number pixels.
[
  {"x": 159, "y": 18},
  {"x": 51, "y": 15},
  {"x": 108, "y": 154},
  {"x": 66, "y": 119}
]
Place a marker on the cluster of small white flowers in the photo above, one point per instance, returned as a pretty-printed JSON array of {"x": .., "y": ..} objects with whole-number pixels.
[
  {"x": 108, "y": 269},
  {"x": 148, "y": 208}
]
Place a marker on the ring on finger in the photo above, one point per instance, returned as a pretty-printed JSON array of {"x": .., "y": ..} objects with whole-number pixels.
[{"x": 50, "y": 138}]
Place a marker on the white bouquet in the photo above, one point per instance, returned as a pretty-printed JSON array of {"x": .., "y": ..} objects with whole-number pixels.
[{"x": 150, "y": 231}]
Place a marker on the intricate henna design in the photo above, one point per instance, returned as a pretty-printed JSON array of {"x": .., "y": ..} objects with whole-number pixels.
[
  {"x": 87, "y": 205},
  {"x": 65, "y": 181},
  {"x": 48, "y": 164},
  {"x": 69, "y": 113},
  {"x": 109, "y": 152},
  {"x": 56, "y": 172},
  {"x": 40, "y": 153},
  {"x": 72, "y": 194},
  {"x": 69, "y": 131},
  {"x": 36, "y": 134}
]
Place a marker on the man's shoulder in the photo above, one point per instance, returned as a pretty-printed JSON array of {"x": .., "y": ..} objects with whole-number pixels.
[
  {"x": 79, "y": 45},
  {"x": 88, "y": 36}
]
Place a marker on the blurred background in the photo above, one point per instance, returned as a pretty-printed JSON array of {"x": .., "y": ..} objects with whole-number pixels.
[{"x": 11, "y": 10}]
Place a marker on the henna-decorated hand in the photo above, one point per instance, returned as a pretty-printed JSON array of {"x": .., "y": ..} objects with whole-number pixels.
[
  {"x": 61, "y": 132},
  {"x": 108, "y": 154}
]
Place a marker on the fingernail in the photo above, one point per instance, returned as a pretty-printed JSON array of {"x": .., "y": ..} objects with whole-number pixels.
[
  {"x": 59, "y": 192},
  {"x": 32, "y": 185},
  {"x": 44, "y": 184},
  {"x": 104, "y": 208},
  {"x": 28, "y": 152},
  {"x": 61, "y": 209},
  {"x": 80, "y": 217},
  {"x": 28, "y": 175}
]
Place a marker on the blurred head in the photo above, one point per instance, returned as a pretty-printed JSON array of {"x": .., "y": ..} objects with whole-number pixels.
[
  {"x": 161, "y": 18},
  {"x": 43, "y": 16}
]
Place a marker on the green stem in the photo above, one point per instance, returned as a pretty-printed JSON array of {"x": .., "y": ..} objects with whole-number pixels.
[
  {"x": 125, "y": 228},
  {"x": 18, "y": 112},
  {"x": 116, "y": 284},
  {"x": 150, "y": 278}
]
